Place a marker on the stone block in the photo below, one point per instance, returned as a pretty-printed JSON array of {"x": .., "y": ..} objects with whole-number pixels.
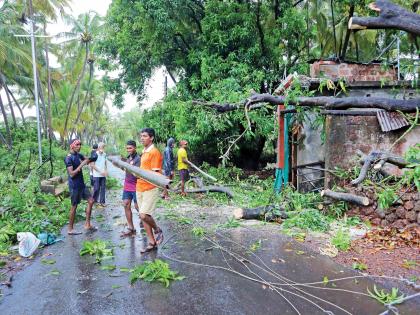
[
  {"x": 411, "y": 216},
  {"x": 400, "y": 212},
  {"x": 399, "y": 224},
  {"x": 376, "y": 221},
  {"x": 384, "y": 223},
  {"x": 391, "y": 217},
  {"x": 408, "y": 205},
  {"x": 417, "y": 206}
]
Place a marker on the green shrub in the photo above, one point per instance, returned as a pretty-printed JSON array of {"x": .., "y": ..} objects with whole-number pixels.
[
  {"x": 310, "y": 219},
  {"x": 157, "y": 270},
  {"x": 341, "y": 240}
]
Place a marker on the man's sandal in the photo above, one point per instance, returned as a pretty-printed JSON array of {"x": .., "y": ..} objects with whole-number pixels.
[
  {"x": 128, "y": 233},
  {"x": 148, "y": 248},
  {"x": 159, "y": 236}
]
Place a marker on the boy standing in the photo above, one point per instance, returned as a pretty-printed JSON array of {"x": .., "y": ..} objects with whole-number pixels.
[
  {"x": 74, "y": 162},
  {"x": 182, "y": 165},
  {"x": 147, "y": 193},
  {"x": 99, "y": 175},
  {"x": 129, "y": 192}
]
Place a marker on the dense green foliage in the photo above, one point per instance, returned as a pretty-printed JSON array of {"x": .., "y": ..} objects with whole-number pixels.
[
  {"x": 219, "y": 51},
  {"x": 23, "y": 208}
]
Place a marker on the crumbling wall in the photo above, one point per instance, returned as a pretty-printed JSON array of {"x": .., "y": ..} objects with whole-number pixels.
[
  {"x": 405, "y": 212},
  {"x": 353, "y": 72}
]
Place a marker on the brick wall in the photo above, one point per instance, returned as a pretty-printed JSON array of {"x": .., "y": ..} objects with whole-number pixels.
[{"x": 352, "y": 72}]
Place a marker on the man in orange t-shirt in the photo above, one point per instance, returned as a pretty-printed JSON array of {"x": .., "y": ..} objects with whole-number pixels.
[{"x": 147, "y": 193}]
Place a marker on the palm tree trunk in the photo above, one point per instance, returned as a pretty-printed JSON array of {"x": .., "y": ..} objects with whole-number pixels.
[
  {"x": 3, "y": 84},
  {"x": 16, "y": 102},
  {"x": 75, "y": 89},
  {"x": 79, "y": 113},
  {"x": 12, "y": 112},
  {"x": 3, "y": 140},
  {"x": 6, "y": 124}
]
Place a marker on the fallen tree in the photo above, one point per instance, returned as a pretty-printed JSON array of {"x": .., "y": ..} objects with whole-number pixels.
[
  {"x": 363, "y": 201},
  {"x": 333, "y": 103},
  {"x": 391, "y": 16},
  {"x": 381, "y": 158},
  {"x": 266, "y": 213}
]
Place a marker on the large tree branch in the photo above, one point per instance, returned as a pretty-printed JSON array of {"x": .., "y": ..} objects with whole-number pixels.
[
  {"x": 391, "y": 16},
  {"x": 260, "y": 100}
]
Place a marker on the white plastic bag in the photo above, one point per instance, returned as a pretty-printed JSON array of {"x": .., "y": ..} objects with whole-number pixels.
[{"x": 28, "y": 243}]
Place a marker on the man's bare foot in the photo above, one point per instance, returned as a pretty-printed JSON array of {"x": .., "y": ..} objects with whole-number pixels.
[{"x": 73, "y": 232}]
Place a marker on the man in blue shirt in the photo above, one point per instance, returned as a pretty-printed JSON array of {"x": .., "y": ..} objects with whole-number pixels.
[{"x": 74, "y": 162}]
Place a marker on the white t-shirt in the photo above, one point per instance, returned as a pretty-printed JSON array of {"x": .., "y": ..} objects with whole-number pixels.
[{"x": 100, "y": 164}]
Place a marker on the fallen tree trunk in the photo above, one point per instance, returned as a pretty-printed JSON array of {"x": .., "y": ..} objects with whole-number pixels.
[
  {"x": 363, "y": 201},
  {"x": 332, "y": 103},
  {"x": 391, "y": 16},
  {"x": 154, "y": 178},
  {"x": 260, "y": 213},
  {"x": 206, "y": 189}
]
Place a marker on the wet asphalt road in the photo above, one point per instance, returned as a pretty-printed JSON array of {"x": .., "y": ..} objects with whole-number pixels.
[{"x": 81, "y": 287}]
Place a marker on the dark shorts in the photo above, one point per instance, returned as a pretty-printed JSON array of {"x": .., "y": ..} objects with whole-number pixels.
[
  {"x": 184, "y": 174},
  {"x": 129, "y": 195},
  {"x": 167, "y": 172},
  {"x": 77, "y": 194}
]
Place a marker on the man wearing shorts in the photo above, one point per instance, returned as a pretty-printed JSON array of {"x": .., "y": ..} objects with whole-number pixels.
[
  {"x": 129, "y": 192},
  {"x": 147, "y": 193},
  {"x": 182, "y": 165},
  {"x": 74, "y": 162}
]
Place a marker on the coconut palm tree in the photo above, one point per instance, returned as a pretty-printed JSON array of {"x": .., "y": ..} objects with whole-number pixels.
[{"x": 81, "y": 37}]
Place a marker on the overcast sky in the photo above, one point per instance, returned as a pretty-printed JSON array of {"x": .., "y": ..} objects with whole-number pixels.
[{"x": 155, "y": 87}]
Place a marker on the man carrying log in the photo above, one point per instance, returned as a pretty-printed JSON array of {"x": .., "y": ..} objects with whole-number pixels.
[
  {"x": 147, "y": 193},
  {"x": 74, "y": 162},
  {"x": 183, "y": 165},
  {"x": 129, "y": 191}
]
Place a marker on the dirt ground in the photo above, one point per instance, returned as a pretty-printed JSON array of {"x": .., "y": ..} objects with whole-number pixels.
[{"x": 384, "y": 252}]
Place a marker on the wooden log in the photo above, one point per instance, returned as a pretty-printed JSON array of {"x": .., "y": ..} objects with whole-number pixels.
[
  {"x": 60, "y": 189},
  {"x": 363, "y": 201},
  {"x": 48, "y": 188},
  {"x": 206, "y": 189},
  {"x": 259, "y": 213},
  {"x": 391, "y": 16},
  {"x": 154, "y": 178}
]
